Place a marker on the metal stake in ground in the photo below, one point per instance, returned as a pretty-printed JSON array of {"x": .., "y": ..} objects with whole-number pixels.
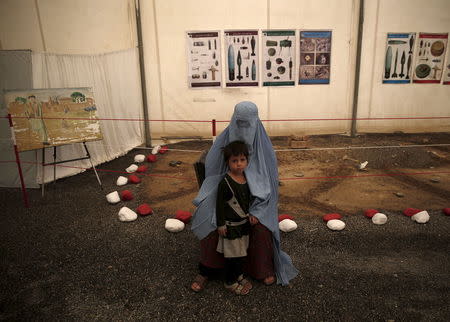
[{"x": 19, "y": 167}]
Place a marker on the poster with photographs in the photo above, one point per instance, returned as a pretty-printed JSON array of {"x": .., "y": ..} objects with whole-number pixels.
[
  {"x": 447, "y": 70},
  {"x": 204, "y": 63},
  {"x": 241, "y": 62},
  {"x": 315, "y": 57},
  {"x": 429, "y": 64},
  {"x": 398, "y": 58},
  {"x": 278, "y": 57}
]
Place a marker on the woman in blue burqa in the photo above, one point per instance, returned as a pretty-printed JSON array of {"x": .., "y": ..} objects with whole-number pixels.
[{"x": 265, "y": 261}]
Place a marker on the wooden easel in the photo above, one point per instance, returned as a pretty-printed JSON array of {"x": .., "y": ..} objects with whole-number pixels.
[{"x": 54, "y": 163}]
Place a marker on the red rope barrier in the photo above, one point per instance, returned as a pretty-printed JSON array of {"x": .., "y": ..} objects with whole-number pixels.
[
  {"x": 226, "y": 121},
  {"x": 368, "y": 175}
]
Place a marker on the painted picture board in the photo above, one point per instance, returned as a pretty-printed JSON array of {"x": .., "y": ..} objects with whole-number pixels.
[{"x": 52, "y": 117}]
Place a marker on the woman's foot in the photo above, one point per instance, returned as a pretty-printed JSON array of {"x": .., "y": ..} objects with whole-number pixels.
[
  {"x": 199, "y": 283},
  {"x": 269, "y": 280}
]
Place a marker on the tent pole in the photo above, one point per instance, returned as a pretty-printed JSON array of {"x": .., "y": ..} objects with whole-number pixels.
[
  {"x": 148, "y": 141},
  {"x": 357, "y": 68}
]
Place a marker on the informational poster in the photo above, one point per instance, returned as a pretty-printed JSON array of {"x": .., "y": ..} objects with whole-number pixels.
[
  {"x": 398, "y": 58},
  {"x": 204, "y": 63},
  {"x": 429, "y": 63},
  {"x": 447, "y": 70},
  {"x": 51, "y": 117},
  {"x": 278, "y": 57},
  {"x": 315, "y": 57},
  {"x": 241, "y": 62}
]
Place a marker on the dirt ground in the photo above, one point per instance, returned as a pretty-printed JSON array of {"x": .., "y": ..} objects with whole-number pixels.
[
  {"x": 325, "y": 177},
  {"x": 68, "y": 257}
]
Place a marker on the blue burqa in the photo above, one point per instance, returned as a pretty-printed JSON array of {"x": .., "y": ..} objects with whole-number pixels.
[{"x": 262, "y": 178}]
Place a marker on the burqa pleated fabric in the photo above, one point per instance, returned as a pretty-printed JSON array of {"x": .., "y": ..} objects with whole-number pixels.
[{"x": 262, "y": 178}]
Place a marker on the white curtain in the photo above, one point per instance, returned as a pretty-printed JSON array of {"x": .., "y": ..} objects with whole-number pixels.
[{"x": 115, "y": 81}]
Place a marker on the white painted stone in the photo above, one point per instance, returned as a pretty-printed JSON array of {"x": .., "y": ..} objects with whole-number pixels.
[
  {"x": 421, "y": 217},
  {"x": 121, "y": 181},
  {"x": 287, "y": 225},
  {"x": 132, "y": 168},
  {"x": 156, "y": 149},
  {"x": 174, "y": 225},
  {"x": 379, "y": 219},
  {"x": 113, "y": 197},
  {"x": 126, "y": 214},
  {"x": 363, "y": 165},
  {"x": 335, "y": 224},
  {"x": 139, "y": 158}
]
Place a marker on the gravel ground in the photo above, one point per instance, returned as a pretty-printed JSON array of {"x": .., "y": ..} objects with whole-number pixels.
[{"x": 69, "y": 258}]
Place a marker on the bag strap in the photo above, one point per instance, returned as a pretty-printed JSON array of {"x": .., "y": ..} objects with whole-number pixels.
[{"x": 234, "y": 204}]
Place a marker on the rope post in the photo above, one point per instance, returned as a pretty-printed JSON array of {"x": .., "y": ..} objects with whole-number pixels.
[
  {"x": 19, "y": 167},
  {"x": 213, "y": 124}
]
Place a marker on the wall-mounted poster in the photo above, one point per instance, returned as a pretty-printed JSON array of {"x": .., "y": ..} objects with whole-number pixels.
[
  {"x": 315, "y": 57},
  {"x": 447, "y": 70},
  {"x": 278, "y": 57},
  {"x": 204, "y": 63},
  {"x": 429, "y": 63},
  {"x": 398, "y": 58},
  {"x": 51, "y": 117},
  {"x": 241, "y": 63}
]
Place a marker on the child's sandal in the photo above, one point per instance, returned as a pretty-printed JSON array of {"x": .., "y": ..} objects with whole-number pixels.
[
  {"x": 237, "y": 289},
  {"x": 244, "y": 282}
]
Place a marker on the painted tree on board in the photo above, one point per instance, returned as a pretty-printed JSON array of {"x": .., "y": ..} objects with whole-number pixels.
[{"x": 78, "y": 97}]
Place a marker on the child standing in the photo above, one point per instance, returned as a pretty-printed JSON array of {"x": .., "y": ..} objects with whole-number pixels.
[{"x": 233, "y": 220}]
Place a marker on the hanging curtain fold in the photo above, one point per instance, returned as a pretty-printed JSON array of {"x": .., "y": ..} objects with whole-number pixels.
[{"x": 115, "y": 81}]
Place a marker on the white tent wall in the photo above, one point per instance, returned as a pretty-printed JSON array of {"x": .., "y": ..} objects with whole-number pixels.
[
  {"x": 165, "y": 23},
  {"x": 68, "y": 26},
  {"x": 80, "y": 43},
  {"x": 400, "y": 100}
]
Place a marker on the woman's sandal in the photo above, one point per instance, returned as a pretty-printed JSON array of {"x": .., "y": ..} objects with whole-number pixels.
[
  {"x": 199, "y": 283},
  {"x": 238, "y": 289},
  {"x": 269, "y": 280},
  {"x": 244, "y": 282}
]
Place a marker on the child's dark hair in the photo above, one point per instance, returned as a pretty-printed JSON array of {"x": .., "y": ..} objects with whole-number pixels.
[{"x": 235, "y": 148}]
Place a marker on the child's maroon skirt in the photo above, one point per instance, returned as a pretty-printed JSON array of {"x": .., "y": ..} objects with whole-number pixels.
[{"x": 259, "y": 261}]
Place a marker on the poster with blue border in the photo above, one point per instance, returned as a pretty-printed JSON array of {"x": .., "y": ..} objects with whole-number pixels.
[
  {"x": 398, "y": 58},
  {"x": 315, "y": 57}
]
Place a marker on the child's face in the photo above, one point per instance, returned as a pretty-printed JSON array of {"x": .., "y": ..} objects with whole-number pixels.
[{"x": 237, "y": 163}]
